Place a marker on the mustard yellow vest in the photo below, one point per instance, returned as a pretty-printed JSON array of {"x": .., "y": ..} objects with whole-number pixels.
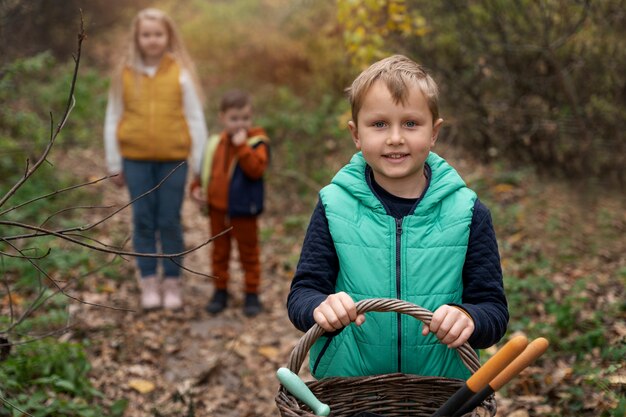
[{"x": 153, "y": 126}]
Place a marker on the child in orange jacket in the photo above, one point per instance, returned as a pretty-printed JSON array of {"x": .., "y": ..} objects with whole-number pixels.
[{"x": 231, "y": 184}]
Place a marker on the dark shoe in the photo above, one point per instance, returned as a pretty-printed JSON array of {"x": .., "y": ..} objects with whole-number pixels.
[
  {"x": 252, "y": 306},
  {"x": 218, "y": 302}
]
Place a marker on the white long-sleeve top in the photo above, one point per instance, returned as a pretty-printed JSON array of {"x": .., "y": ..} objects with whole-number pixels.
[{"x": 192, "y": 110}]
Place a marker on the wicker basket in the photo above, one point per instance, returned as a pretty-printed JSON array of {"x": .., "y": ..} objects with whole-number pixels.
[{"x": 390, "y": 395}]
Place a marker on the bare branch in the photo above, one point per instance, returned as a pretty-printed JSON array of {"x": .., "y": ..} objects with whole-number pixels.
[
  {"x": 79, "y": 236},
  {"x": 62, "y": 291},
  {"x": 32, "y": 307},
  {"x": 8, "y": 288},
  {"x": 62, "y": 330},
  {"x": 104, "y": 219},
  {"x": 75, "y": 234},
  {"x": 192, "y": 271},
  {"x": 70, "y": 101},
  {"x": 88, "y": 227},
  {"x": 72, "y": 209},
  {"x": 43, "y": 197},
  {"x": 6, "y": 402},
  {"x": 134, "y": 199},
  {"x": 11, "y": 255},
  {"x": 40, "y": 300},
  {"x": 63, "y": 235}
]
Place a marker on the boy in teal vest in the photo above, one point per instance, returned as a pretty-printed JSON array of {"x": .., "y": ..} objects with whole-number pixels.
[{"x": 397, "y": 222}]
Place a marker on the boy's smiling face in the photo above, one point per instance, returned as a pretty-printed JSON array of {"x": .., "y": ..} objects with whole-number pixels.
[{"x": 395, "y": 138}]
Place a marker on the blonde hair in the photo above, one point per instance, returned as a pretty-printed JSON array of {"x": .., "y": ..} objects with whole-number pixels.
[
  {"x": 398, "y": 73},
  {"x": 132, "y": 57}
]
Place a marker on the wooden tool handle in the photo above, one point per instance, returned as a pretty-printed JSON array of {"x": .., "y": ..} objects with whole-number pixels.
[
  {"x": 497, "y": 363},
  {"x": 482, "y": 376},
  {"x": 535, "y": 349},
  {"x": 298, "y": 389}
]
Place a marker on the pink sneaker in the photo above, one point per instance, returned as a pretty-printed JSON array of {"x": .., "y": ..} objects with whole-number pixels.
[
  {"x": 150, "y": 296},
  {"x": 172, "y": 299}
]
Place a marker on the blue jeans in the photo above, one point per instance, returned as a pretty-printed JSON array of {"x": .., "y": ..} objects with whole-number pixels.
[{"x": 156, "y": 216}]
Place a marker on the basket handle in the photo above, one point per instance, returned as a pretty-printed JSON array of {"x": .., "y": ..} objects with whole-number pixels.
[{"x": 468, "y": 355}]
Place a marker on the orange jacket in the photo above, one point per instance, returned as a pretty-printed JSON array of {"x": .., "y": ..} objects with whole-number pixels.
[{"x": 252, "y": 160}]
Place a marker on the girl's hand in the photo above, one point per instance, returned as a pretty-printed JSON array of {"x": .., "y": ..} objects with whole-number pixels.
[
  {"x": 336, "y": 312},
  {"x": 239, "y": 138},
  {"x": 451, "y": 325},
  {"x": 119, "y": 180},
  {"x": 198, "y": 196}
]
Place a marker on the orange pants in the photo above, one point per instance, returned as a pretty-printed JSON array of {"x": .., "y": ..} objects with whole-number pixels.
[{"x": 245, "y": 232}]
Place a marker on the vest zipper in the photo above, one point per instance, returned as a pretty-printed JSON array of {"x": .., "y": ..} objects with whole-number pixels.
[
  {"x": 151, "y": 118},
  {"x": 322, "y": 352},
  {"x": 398, "y": 292}
]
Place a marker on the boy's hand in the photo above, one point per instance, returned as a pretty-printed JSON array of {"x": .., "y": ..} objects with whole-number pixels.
[
  {"x": 451, "y": 325},
  {"x": 239, "y": 138},
  {"x": 336, "y": 312}
]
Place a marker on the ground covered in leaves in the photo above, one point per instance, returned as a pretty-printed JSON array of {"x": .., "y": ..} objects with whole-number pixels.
[
  {"x": 188, "y": 362},
  {"x": 563, "y": 283}
]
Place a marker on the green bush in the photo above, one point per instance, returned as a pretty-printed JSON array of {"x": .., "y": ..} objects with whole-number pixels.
[
  {"x": 31, "y": 90},
  {"x": 45, "y": 377},
  {"x": 537, "y": 83}
]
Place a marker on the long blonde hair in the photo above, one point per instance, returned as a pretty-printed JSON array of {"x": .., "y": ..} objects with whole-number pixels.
[{"x": 132, "y": 57}]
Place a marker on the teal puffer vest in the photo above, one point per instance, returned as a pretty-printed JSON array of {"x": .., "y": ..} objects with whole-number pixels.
[{"x": 417, "y": 259}]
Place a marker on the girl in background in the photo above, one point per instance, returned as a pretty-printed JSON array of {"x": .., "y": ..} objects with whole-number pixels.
[{"x": 154, "y": 121}]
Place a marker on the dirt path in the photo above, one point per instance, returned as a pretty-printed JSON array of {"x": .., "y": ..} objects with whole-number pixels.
[{"x": 189, "y": 362}]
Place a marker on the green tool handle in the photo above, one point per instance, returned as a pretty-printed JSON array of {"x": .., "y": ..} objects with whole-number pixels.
[{"x": 298, "y": 388}]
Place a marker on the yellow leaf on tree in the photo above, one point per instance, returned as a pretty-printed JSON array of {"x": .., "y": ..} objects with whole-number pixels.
[{"x": 141, "y": 385}]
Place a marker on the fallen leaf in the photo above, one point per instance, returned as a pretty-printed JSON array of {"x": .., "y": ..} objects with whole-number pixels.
[
  {"x": 270, "y": 352},
  {"x": 617, "y": 379},
  {"x": 14, "y": 299},
  {"x": 620, "y": 328},
  {"x": 107, "y": 287},
  {"x": 141, "y": 385},
  {"x": 518, "y": 413}
]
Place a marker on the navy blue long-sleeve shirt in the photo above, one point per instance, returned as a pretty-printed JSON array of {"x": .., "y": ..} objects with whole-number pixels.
[{"x": 483, "y": 292}]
